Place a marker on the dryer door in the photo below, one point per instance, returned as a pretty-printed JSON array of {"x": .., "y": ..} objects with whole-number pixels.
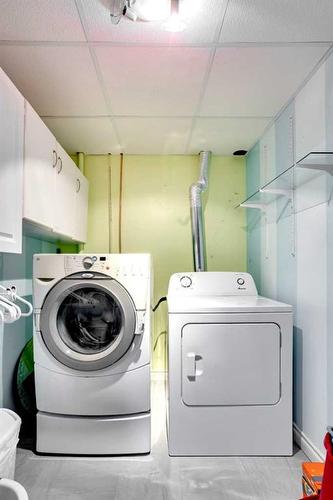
[
  {"x": 88, "y": 324},
  {"x": 231, "y": 364}
]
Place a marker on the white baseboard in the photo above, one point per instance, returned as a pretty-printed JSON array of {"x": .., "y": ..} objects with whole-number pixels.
[{"x": 310, "y": 450}]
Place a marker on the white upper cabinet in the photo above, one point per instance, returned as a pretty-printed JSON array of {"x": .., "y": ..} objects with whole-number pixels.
[
  {"x": 38, "y": 180},
  {"x": 81, "y": 208},
  {"x": 310, "y": 115},
  {"x": 39, "y": 170},
  {"x": 65, "y": 186},
  {"x": 55, "y": 191},
  {"x": 11, "y": 165}
]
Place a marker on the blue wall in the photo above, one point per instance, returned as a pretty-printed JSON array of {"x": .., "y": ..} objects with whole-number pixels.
[
  {"x": 253, "y": 216},
  {"x": 303, "y": 267},
  {"x": 13, "y": 337},
  {"x": 286, "y": 263},
  {"x": 329, "y": 142}
]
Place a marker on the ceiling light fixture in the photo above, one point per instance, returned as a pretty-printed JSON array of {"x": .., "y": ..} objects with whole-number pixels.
[
  {"x": 174, "y": 23},
  {"x": 118, "y": 9},
  {"x": 151, "y": 10},
  {"x": 139, "y": 10}
]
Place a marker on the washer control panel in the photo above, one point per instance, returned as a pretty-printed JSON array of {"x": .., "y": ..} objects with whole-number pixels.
[
  {"x": 111, "y": 265},
  {"x": 75, "y": 263}
]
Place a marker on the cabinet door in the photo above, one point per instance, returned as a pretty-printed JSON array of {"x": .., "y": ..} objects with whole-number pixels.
[
  {"x": 39, "y": 170},
  {"x": 65, "y": 186},
  {"x": 81, "y": 209},
  {"x": 11, "y": 165}
]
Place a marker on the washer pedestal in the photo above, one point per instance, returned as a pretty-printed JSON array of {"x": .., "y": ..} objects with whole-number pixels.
[{"x": 67, "y": 435}]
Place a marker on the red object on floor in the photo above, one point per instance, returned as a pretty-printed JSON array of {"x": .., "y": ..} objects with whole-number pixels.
[{"x": 327, "y": 486}]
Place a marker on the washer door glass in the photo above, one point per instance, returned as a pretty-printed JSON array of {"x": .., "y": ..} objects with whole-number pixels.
[
  {"x": 89, "y": 320},
  {"x": 88, "y": 324}
]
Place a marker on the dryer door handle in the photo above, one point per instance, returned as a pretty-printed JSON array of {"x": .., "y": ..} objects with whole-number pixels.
[
  {"x": 140, "y": 323},
  {"x": 190, "y": 368}
]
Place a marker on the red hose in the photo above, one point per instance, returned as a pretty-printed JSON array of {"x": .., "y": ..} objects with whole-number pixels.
[{"x": 327, "y": 486}]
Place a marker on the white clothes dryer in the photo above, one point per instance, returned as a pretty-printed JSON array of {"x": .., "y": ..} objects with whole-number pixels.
[
  {"x": 230, "y": 367},
  {"x": 92, "y": 353}
]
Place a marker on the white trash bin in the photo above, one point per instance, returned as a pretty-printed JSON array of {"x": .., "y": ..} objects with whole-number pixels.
[
  {"x": 10, "y": 425},
  {"x": 12, "y": 490}
]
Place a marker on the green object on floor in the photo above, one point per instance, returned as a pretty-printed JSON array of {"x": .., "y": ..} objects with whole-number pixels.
[{"x": 25, "y": 383}]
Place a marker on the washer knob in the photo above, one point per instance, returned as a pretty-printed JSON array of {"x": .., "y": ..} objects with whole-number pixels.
[
  {"x": 185, "y": 281},
  {"x": 240, "y": 281},
  {"x": 88, "y": 262}
]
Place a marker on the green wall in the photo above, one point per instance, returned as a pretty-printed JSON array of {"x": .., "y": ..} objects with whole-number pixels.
[{"x": 156, "y": 217}]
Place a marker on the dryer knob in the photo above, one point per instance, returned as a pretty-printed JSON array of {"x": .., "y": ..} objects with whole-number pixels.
[{"x": 185, "y": 281}]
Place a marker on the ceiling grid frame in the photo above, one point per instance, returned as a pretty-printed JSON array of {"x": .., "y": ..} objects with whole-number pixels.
[
  {"x": 205, "y": 81},
  {"x": 209, "y": 45},
  {"x": 321, "y": 61},
  {"x": 216, "y": 42},
  {"x": 99, "y": 74}
]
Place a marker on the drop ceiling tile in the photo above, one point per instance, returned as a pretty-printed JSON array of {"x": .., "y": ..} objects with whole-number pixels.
[
  {"x": 51, "y": 20},
  {"x": 153, "y": 80},
  {"x": 87, "y": 135},
  {"x": 55, "y": 80},
  {"x": 278, "y": 21},
  {"x": 256, "y": 81},
  {"x": 202, "y": 19},
  {"x": 223, "y": 136},
  {"x": 153, "y": 135}
]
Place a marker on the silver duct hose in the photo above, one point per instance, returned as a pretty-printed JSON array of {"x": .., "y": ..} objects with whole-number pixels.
[{"x": 196, "y": 213}]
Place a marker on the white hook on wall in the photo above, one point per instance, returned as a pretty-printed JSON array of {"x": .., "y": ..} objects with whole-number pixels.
[
  {"x": 7, "y": 299},
  {"x": 13, "y": 292}
]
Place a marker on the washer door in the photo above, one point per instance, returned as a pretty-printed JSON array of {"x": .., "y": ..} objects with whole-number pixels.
[{"x": 88, "y": 324}]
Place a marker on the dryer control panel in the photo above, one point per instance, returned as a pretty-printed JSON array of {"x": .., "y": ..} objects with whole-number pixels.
[{"x": 212, "y": 283}]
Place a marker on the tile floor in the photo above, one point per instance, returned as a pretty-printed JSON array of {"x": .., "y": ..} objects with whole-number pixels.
[{"x": 158, "y": 476}]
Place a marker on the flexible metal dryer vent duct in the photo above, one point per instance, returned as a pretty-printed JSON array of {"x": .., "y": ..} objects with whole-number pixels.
[{"x": 196, "y": 213}]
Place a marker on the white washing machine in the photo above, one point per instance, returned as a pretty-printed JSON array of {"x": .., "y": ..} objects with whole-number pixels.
[
  {"x": 92, "y": 353},
  {"x": 230, "y": 367}
]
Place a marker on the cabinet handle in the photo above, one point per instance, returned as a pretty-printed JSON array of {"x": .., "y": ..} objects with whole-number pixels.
[
  {"x": 55, "y": 159},
  {"x": 78, "y": 185},
  {"x": 60, "y": 165}
]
